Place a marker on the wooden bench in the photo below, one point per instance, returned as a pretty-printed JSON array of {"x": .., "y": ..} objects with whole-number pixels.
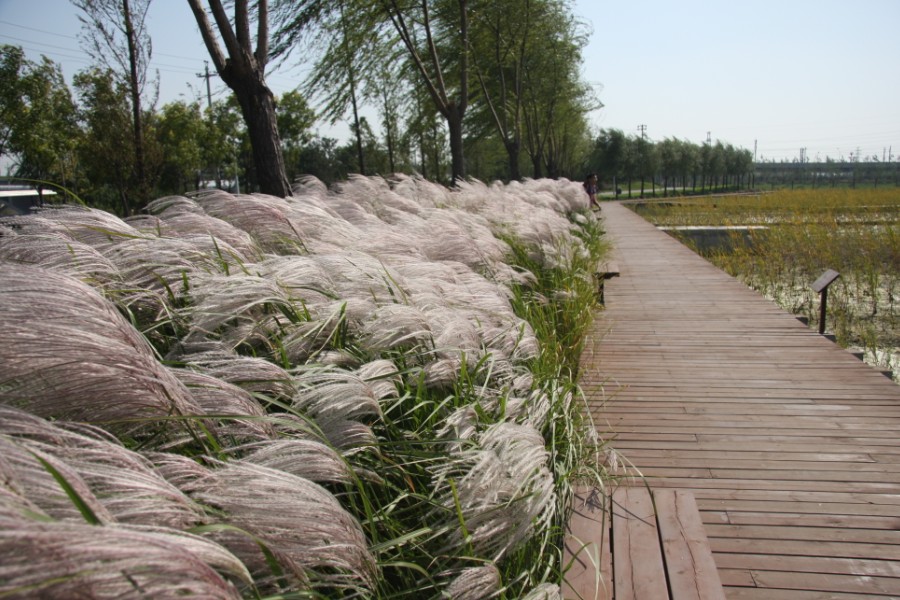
[
  {"x": 605, "y": 270},
  {"x": 659, "y": 549}
]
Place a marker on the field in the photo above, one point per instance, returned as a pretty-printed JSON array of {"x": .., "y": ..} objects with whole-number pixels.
[
  {"x": 365, "y": 392},
  {"x": 790, "y": 237}
]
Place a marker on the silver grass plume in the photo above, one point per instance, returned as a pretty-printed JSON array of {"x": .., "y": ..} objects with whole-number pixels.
[
  {"x": 236, "y": 307},
  {"x": 76, "y": 560},
  {"x": 329, "y": 394},
  {"x": 297, "y": 519},
  {"x": 475, "y": 583},
  {"x": 419, "y": 189},
  {"x": 164, "y": 266},
  {"x": 263, "y": 217},
  {"x": 309, "y": 185},
  {"x": 545, "y": 591},
  {"x": 177, "y": 216},
  {"x": 362, "y": 277},
  {"x": 305, "y": 342},
  {"x": 124, "y": 483},
  {"x": 307, "y": 458},
  {"x": 256, "y": 375},
  {"x": 60, "y": 253},
  {"x": 394, "y": 326},
  {"x": 315, "y": 221},
  {"x": 381, "y": 377},
  {"x": 304, "y": 280},
  {"x": 375, "y": 194},
  {"x": 90, "y": 226},
  {"x": 27, "y": 479},
  {"x": 348, "y": 435},
  {"x": 69, "y": 354},
  {"x": 504, "y": 488},
  {"x": 232, "y": 413}
]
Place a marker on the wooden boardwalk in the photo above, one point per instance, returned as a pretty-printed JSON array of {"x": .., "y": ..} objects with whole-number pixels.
[{"x": 790, "y": 444}]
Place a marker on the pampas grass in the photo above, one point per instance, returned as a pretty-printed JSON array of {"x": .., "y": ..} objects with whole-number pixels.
[
  {"x": 368, "y": 391},
  {"x": 68, "y": 353},
  {"x": 75, "y": 560}
]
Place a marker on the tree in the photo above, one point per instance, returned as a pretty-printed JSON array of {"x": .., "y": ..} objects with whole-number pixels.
[
  {"x": 610, "y": 155},
  {"x": 116, "y": 36},
  {"x": 386, "y": 88},
  {"x": 423, "y": 28},
  {"x": 500, "y": 46},
  {"x": 433, "y": 35},
  {"x": 180, "y": 131},
  {"x": 295, "y": 121},
  {"x": 106, "y": 153},
  {"x": 224, "y": 139},
  {"x": 555, "y": 99},
  {"x": 38, "y": 121},
  {"x": 243, "y": 70}
]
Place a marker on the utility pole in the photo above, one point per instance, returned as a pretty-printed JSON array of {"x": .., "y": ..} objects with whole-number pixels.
[
  {"x": 708, "y": 137},
  {"x": 754, "y": 149},
  {"x": 207, "y": 76},
  {"x": 643, "y": 130}
]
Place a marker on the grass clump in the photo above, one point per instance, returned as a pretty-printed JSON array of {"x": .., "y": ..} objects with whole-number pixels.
[{"x": 359, "y": 393}]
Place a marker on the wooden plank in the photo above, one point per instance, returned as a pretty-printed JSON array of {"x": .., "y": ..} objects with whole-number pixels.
[
  {"x": 587, "y": 548},
  {"x": 692, "y": 573},
  {"x": 638, "y": 568},
  {"x": 799, "y": 564},
  {"x": 881, "y": 586}
]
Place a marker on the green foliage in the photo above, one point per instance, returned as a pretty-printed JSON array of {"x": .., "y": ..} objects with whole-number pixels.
[
  {"x": 295, "y": 122},
  {"x": 38, "y": 126},
  {"x": 107, "y": 150},
  {"x": 180, "y": 131}
]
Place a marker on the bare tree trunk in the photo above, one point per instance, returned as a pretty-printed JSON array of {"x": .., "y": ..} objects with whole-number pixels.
[
  {"x": 258, "y": 108},
  {"x": 137, "y": 117},
  {"x": 244, "y": 72},
  {"x": 356, "y": 128},
  {"x": 457, "y": 159},
  {"x": 512, "y": 153}
]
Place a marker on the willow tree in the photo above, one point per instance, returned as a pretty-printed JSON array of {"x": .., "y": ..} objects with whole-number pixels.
[
  {"x": 424, "y": 27},
  {"x": 242, "y": 67},
  {"x": 340, "y": 35},
  {"x": 556, "y": 100},
  {"x": 501, "y": 40},
  {"x": 432, "y": 35}
]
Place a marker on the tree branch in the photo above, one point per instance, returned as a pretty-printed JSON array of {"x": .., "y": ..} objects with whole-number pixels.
[
  {"x": 262, "y": 34},
  {"x": 208, "y": 37},
  {"x": 225, "y": 29},
  {"x": 397, "y": 20},
  {"x": 242, "y": 24}
]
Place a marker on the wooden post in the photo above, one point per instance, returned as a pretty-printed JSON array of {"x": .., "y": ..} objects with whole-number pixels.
[{"x": 821, "y": 286}]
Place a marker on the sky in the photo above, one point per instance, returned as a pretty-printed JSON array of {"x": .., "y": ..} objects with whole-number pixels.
[{"x": 771, "y": 76}]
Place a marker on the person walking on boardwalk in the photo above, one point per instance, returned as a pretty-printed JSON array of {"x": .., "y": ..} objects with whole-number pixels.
[{"x": 590, "y": 186}]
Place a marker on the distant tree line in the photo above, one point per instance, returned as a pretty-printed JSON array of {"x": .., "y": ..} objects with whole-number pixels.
[
  {"x": 830, "y": 173},
  {"x": 634, "y": 164}
]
